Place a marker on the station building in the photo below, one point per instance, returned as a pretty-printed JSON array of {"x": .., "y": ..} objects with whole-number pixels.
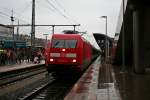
[{"x": 19, "y": 41}]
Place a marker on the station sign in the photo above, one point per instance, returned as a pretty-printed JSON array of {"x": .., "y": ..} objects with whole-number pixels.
[
  {"x": 11, "y": 44},
  {"x": 1, "y": 44},
  {"x": 8, "y": 44},
  {"x": 20, "y": 44}
]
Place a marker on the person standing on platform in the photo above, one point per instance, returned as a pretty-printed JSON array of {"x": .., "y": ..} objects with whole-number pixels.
[
  {"x": 4, "y": 58},
  {"x": 8, "y": 57},
  {"x": 39, "y": 54},
  {"x": 28, "y": 56},
  {"x": 19, "y": 56}
]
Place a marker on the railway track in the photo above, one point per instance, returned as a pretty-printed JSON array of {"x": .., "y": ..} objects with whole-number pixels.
[
  {"x": 53, "y": 90},
  {"x": 16, "y": 85},
  {"x": 45, "y": 87},
  {"x": 18, "y": 75}
]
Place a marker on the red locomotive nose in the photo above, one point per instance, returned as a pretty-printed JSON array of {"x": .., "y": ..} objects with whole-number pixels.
[{"x": 70, "y": 52}]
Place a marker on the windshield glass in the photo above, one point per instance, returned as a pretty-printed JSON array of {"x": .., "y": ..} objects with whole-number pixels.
[
  {"x": 64, "y": 43},
  {"x": 58, "y": 43},
  {"x": 70, "y": 43}
]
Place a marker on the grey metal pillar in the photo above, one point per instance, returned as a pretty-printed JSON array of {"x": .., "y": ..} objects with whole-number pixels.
[
  {"x": 17, "y": 37},
  {"x": 137, "y": 65},
  {"x": 33, "y": 25},
  {"x": 123, "y": 37},
  {"x": 53, "y": 29},
  {"x": 74, "y": 28}
]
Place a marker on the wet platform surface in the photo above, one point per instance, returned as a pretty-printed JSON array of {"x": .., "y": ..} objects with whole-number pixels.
[
  {"x": 107, "y": 82},
  {"x": 92, "y": 87}
]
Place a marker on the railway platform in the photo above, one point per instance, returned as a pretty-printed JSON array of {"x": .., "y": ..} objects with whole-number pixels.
[
  {"x": 97, "y": 83},
  {"x": 107, "y": 82},
  {"x": 17, "y": 66}
]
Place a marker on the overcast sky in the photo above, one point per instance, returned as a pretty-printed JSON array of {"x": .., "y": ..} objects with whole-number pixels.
[{"x": 84, "y": 12}]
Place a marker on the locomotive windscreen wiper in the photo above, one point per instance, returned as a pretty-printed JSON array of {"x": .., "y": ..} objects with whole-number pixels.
[
  {"x": 64, "y": 43},
  {"x": 58, "y": 43}
]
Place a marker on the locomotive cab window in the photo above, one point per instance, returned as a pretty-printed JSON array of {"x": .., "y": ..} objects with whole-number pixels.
[
  {"x": 64, "y": 43},
  {"x": 57, "y": 43},
  {"x": 70, "y": 43}
]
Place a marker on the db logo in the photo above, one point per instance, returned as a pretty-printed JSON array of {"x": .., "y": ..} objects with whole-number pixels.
[{"x": 62, "y": 54}]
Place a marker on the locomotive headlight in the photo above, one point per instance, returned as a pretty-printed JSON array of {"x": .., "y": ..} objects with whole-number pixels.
[
  {"x": 71, "y": 55},
  {"x": 74, "y": 60},
  {"x": 54, "y": 54},
  {"x": 63, "y": 50},
  {"x": 51, "y": 60}
]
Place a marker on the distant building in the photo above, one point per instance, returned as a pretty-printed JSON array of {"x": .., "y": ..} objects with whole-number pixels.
[
  {"x": 6, "y": 38},
  {"x": 5, "y": 32},
  {"x": 37, "y": 42}
]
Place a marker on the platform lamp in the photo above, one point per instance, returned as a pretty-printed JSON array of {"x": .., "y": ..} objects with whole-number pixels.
[{"x": 106, "y": 46}]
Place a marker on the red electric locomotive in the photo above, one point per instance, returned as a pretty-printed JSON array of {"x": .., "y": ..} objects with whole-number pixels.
[{"x": 68, "y": 52}]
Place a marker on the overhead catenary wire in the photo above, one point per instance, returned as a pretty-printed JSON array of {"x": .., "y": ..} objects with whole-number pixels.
[
  {"x": 51, "y": 6},
  {"x": 16, "y": 18},
  {"x": 9, "y": 11},
  {"x": 44, "y": 5},
  {"x": 67, "y": 14},
  {"x": 2, "y": 13},
  {"x": 58, "y": 11},
  {"x": 59, "y": 4},
  {"x": 65, "y": 11},
  {"x": 25, "y": 8},
  {"x": 3, "y": 16},
  {"x": 8, "y": 15},
  {"x": 37, "y": 1}
]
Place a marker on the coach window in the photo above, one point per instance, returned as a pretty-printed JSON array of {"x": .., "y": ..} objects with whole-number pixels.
[{"x": 70, "y": 43}]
